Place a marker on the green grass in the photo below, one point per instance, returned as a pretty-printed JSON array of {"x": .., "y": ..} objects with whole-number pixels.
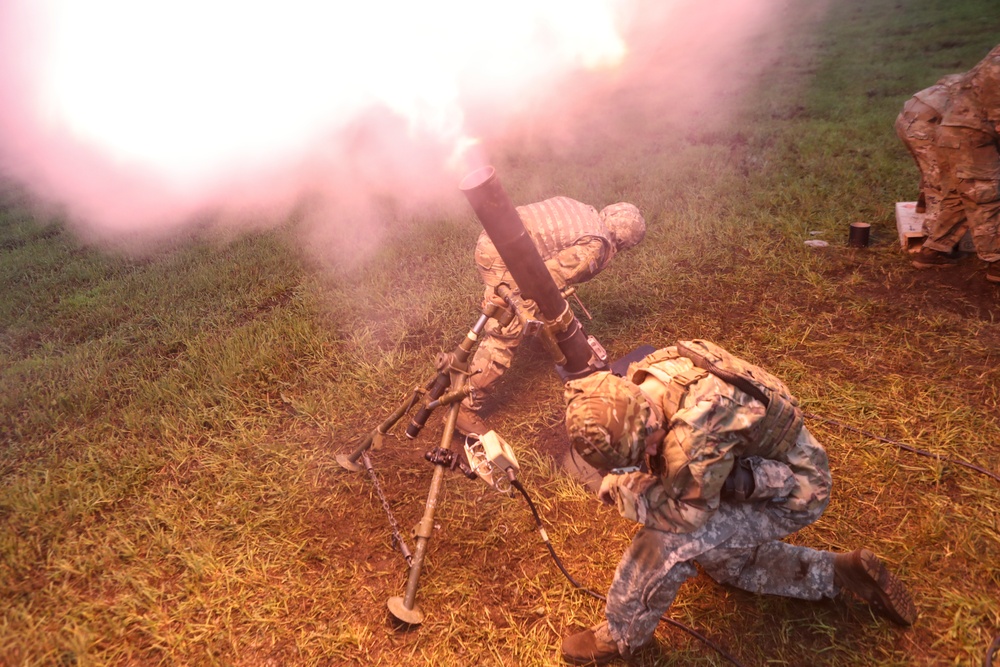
[{"x": 168, "y": 422}]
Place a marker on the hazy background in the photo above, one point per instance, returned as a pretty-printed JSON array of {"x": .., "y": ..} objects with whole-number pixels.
[{"x": 134, "y": 121}]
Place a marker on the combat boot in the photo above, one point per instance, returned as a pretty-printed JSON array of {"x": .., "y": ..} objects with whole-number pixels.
[
  {"x": 993, "y": 271},
  {"x": 933, "y": 259},
  {"x": 469, "y": 423},
  {"x": 593, "y": 646},
  {"x": 862, "y": 573}
]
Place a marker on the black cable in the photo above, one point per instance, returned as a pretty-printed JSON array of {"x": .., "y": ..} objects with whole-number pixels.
[
  {"x": 991, "y": 652},
  {"x": 995, "y": 646},
  {"x": 904, "y": 446},
  {"x": 548, "y": 544}
]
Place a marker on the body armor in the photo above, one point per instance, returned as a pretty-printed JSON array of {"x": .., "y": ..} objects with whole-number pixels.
[{"x": 773, "y": 435}]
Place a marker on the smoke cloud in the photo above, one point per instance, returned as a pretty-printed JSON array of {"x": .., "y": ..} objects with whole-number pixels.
[{"x": 135, "y": 118}]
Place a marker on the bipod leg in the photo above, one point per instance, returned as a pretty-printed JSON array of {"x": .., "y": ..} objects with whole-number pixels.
[
  {"x": 351, "y": 461},
  {"x": 446, "y": 365},
  {"x": 404, "y": 608}
]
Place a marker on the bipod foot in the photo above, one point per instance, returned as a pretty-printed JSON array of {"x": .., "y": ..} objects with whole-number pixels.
[
  {"x": 345, "y": 462},
  {"x": 407, "y": 617}
]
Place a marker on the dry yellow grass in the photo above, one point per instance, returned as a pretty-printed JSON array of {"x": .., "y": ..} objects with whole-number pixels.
[{"x": 168, "y": 425}]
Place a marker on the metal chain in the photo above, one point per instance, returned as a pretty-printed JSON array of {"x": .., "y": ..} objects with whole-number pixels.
[{"x": 397, "y": 537}]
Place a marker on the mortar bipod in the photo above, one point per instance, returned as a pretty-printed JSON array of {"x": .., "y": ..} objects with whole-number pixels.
[
  {"x": 404, "y": 609},
  {"x": 432, "y": 390}
]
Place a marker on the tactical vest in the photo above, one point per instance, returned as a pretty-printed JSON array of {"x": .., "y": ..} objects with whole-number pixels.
[
  {"x": 779, "y": 428},
  {"x": 560, "y": 222}
]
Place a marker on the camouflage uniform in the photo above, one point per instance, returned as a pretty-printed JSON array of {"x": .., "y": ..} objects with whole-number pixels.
[
  {"x": 916, "y": 126},
  {"x": 685, "y": 521},
  {"x": 575, "y": 245},
  {"x": 969, "y": 158}
]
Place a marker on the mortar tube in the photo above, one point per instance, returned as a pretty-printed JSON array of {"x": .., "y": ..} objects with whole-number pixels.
[{"x": 505, "y": 228}]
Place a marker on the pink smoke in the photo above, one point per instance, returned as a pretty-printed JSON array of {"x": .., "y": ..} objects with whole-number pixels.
[{"x": 134, "y": 117}]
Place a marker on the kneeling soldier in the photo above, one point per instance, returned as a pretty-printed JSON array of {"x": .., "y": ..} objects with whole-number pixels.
[{"x": 709, "y": 454}]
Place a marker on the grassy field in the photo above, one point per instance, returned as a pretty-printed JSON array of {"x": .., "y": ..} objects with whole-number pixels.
[{"x": 169, "y": 422}]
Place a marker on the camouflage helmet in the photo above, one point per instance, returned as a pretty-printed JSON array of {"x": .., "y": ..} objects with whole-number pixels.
[
  {"x": 607, "y": 420},
  {"x": 625, "y": 223}
]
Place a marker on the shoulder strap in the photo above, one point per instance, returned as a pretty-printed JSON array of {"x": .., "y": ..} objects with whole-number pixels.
[
  {"x": 738, "y": 381},
  {"x": 782, "y": 421}
]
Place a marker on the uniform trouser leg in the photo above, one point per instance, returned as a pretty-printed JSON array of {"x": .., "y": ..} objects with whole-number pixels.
[
  {"x": 773, "y": 568},
  {"x": 916, "y": 126},
  {"x": 968, "y": 206},
  {"x": 970, "y": 164},
  {"x": 739, "y": 545},
  {"x": 491, "y": 360},
  {"x": 949, "y": 222},
  {"x": 983, "y": 207},
  {"x": 645, "y": 585},
  {"x": 978, "y": 184},
  {"x": 493, "y": 356}
]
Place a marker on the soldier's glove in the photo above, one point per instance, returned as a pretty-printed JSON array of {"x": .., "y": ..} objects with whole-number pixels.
[
  {"x": 739, "y": 485},
  {"x": 608, "y": 494},
  {"x": 620, "y": 497}
]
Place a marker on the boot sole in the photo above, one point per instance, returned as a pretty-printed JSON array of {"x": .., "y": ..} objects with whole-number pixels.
[
  {"x": 590, "y": 654},
  {"x": 928, "y": 265},
  {"x": 601, "y": 660},
  {"x": 882, "y": 590}
]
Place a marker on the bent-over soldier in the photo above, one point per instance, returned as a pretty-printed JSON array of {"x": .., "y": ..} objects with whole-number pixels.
[
  {"x": 967, "y": 146},
  {"x": 709, "y": 454},
  {"x": 576, "y": 243},
  {"x": 916, "y": 126}
]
